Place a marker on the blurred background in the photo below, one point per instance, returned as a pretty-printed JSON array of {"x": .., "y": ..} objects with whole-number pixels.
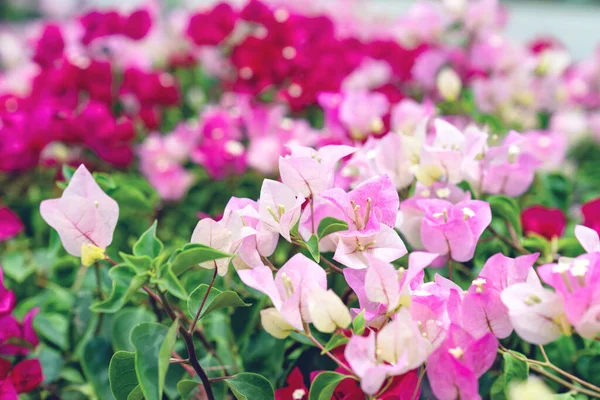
[{"x": 575, "y": 22}]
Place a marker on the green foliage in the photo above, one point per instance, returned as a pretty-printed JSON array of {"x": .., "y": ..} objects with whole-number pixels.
[
  {"x": 323, "y": 386},
  {"x": 214, "y": 301},
  {"x": 193, "y": 254},
  {"x": 153, "y": 346},
  {"x": 329, "y": 225},
  {"x": 249, "y": 386}
]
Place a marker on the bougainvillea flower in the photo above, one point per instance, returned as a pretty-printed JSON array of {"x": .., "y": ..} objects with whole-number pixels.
[
  {"x": 295, "y": 388},
  {"x": 23, "y": 377},
  {"x": 290, "y": 290},
  {"x": 373, "y": 202},
  {"x": 546, "y": 222},
  {"x": 536, "y": 313},
  {"x": 310, "y": 172},
  {"x": 589, "y": 239},
  {"x": 482, "y": 310},
  {"x": 21, "y": 331},
  {"x": 212, "y": 27},
  {"x": 454, "y": 368},
  {"x": 10, "y": 224},
  {"x": 591, "y": 214},
  {"x": 576, "y": 282},
  {"x": 279, "y": 207},
  {"x": 7, "y": 297},
  {"x": 355, "y": 248},
  {"x": 453, "y": 229},
  {"x": 361, "y": 355},
  {"x": 84, "y": 214}
]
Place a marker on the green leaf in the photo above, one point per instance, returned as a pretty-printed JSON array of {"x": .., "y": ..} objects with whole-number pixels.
[
  {"x": 250, "y": 386},
  {"x": 358, "y": 324},
  {"x": 123, "y": 323},
  {"x": 68, "y": 172},
  {"x": 507, "y": 209},
  {"x": 336, "y": 340},
  {"x": 170, "y": 283},
  {"x": 53, "y": 327},
  {"x": 188, "y": 388},
  {"x": 125, "y": 284},
  {"x": 136, "y": 394},
  {"x": 94, "y": 362},
  {"x": 15, "y": 267},
  {"x": 514, "y": 369},
  {"x": 139, "y": 264},
  {"x": 329, "y": 225},
  {"x": 194, "y": 254},
  {"x": 148, "y": 244},
  {"x": 497, "y": 389},
  {"x": 214, "y": 301},
  {"x": 121, "y": 374},
  {"x": 313, "y": 248},
  {"x": 104, "y": 181},
  {"x": 569, "y": 247},
  {"x": 153, "y": 346},
  {"x": 324, "y": 385}
]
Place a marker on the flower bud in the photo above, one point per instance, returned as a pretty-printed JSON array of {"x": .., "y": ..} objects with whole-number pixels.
[
  {"x": 449, "y": 84},
  {"x": 275, "y": 324},
  {"x": 90, "y": 254},
  {"x": 327, "y": 311}
]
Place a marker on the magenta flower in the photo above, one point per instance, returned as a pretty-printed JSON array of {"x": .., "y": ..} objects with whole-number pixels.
[
  {"x": 22, "y": 377},
  {"x": 83, "y": 215},
  {"x": 454, "y": 368},
  {"x": 212, "y": 27},
  {"x": 14, "y": 332},
  {"x": 453, "y": 229},
  {"x": 589, "y": 239},
  {"x": 10, "y": 224},
  {"x": 7, "y": 298}
]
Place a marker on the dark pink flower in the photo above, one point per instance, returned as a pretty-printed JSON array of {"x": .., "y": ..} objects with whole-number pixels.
[
  {"x": 50, "y": 46},
  {"x": 10, "y": 226},
  {"x": 547, "y": 222},
  {"x": 591, "y": 214},
  {"x": 295, "y": 388},
  {"x": 23, "y": 377},
  {"x": 213, "y": 26}
]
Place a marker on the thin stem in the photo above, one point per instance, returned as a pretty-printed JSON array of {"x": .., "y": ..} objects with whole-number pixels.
[
  {"x": 309, "y": 335},
  {"x": 219, "y": 378},
  {"x": 189, "y": 343},
  {"x": 110, "y": 260},
  {"x": 419, "y": 381},
  {"x": 514, "y": 245},
  {"x": 99, "y": 295},
  {"x": 312, "y": 213},
  {"x": 450, "y": 269},
  {"x": 268, "y": 263},
  {"x": 332, "y": 265},
  {"x": 210, "y": 285},
  {"x": 538, "y": 366},
  {"x": 563, "y": 382}
]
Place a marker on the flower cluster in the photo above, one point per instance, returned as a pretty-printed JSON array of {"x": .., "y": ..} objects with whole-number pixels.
[{"x": 17, "y": 339}]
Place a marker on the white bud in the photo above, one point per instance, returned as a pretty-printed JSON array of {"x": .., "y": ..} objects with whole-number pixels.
[
  {"x": 449, "y": 84},
  {"x": 274, "y": 324},
  {"x": 327, "y": 311}
]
